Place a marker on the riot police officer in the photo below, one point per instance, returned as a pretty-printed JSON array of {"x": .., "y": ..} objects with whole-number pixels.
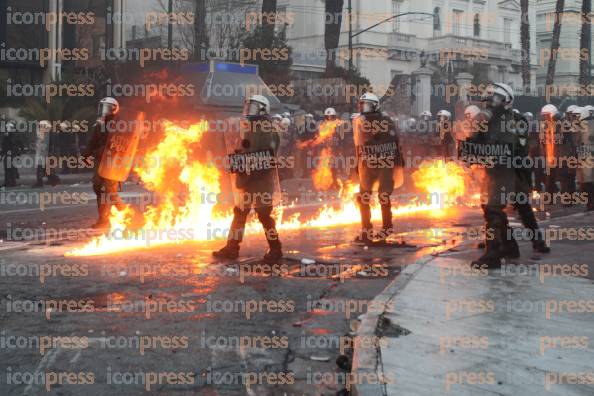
[
  {"x": 378, "y": 156},
  {"x": 446, "y": 138},
  {"x": 255, "y": 189},
  {"x": 105, "y": 189},
  {"x": 523, "y": 184},
  {"x": 566, "y": 148},
  {"x": 499, "y": 175},
  {"x": 548, "y": 133},
  {"x": 330, "y": 114},
  {"x": 585, "y": 152},
  {"x": 11, "y": 148}
]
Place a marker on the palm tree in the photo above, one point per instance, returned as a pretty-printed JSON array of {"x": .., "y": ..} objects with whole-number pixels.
[
  {"x": 201, "y": 40},
  {"x": 525, "y": 38},
  {"x": 585, "y": 44},
  {"x": 268, "y": 9},
  {"x": 555, "y": 42},
  {"x": 332, "y": 30}
]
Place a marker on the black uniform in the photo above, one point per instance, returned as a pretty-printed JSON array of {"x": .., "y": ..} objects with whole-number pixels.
[
  {"x": 495, "y": 148},
  {"x": 523, "y": 183},
  {"x": 255, "y": 190},
  {"x": 105, "y": 189},
  {"x": 11, "y": 149},
  {"x": 566, "y": 148},
  {"x": 378, "y": 155}
]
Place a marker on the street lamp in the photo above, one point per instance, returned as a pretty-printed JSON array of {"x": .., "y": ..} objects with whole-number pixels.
[
  {"x": 351, "y": 35},
  {"x": 170, "y": 26}
]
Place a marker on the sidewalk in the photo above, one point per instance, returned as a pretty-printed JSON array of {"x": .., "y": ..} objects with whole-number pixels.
[{"x": 527, "y": 329}]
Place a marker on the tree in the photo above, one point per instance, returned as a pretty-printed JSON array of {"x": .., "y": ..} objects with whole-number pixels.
[
  {"x": 275, "y": 69},
  {"x": 585, "y": 45},
  {"x": 333, "y": 22},
  {"x": 525, "y": 39},
  {"x": 201, "y": 41},
  {"x": 268, "y": 23},
  {"x": 555, "y": 42}
]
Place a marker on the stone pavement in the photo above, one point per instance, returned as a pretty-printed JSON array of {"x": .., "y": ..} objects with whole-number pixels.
[{"x": 527, "y": 329}]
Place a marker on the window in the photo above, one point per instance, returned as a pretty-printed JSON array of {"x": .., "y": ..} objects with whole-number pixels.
[
  {"x": 457, "y": 22},
  {"x": 507, "y": 30},
  {"x": 477, "y": 25},
  {"x": 396, "y": 9},
  {"x": 436, "y": 20}
]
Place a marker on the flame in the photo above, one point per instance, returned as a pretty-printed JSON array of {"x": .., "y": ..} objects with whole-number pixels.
[
  {"x": 183, "y": 214},
  {"x": 323, "y": 178},
  {"x": 439, "y": 177},
  {"x": 325, "y": 133}
]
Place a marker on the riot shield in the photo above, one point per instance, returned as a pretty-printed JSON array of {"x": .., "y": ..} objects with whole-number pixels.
[
  {"x": 42, "y": 140},
  {"x": 585, "y": 152},
  {"x": 120, "y": 150},
  {"x": 252, "y": 161},
  {"x": 379, "y": 161},
  {"x": 494, "y": 154}
]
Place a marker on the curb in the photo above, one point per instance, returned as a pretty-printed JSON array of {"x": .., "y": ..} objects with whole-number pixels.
[{"x": 366, "y": 359}]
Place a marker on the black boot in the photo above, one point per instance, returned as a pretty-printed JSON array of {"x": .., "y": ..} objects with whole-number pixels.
[
  {"x": 274, "y": 254},
  {"x": 538, "y": 243},
  {"x": 104, "y": 211},
  {"x": 490, "y": 260},
  {"x": 235, "y": 236},
  {"x": 387, "y": 226},
  {"x": 510, "y": 247},
  {"x": 229, "y": 252},
  {"x": 275, "y": 248},
  {"x": 366, "y": 227}
]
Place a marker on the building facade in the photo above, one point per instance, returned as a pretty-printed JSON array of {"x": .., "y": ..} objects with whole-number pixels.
[
  {"x": 568, "y": 57},
  {"x": 447, "y": 41}
]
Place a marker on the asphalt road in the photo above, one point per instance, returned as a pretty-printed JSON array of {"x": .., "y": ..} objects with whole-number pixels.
[{"x": 173, "y": 321}]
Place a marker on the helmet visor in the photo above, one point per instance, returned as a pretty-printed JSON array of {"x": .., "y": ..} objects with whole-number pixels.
[
  {"x": 106, "y": 109},
  {"x": 366, "y": 106},
  {"x": 252, "y": 108}
]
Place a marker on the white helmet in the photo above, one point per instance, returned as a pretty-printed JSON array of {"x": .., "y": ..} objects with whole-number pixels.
[
  {"x": 309, "y": 115},
  {"x": 470, "y": 112},
  {"x": 590, "y": 108},
  {"x": 584, "y": 113},
  {"x": 329, "y": 112},
  {"x": 10, "y": 127},
  {"x": 444, "y": 113},
  {"x": 108, "y": 106},
  {"x": 256, "y": 105},
  {"x": 573, "y": 109},
  {"x": 286, "y": 114},
  {"x": 549, "y": 109},
  {"x": 277, "y": 117},
  {"x": 286, "y": 122},
  {"x": 503, "y": 90},
  {"x": 426, "y": 113},
  {"x": 369, "y": 103},
  {"x": 528, "y": 115},
  {"x": 44, "y": 126}
]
